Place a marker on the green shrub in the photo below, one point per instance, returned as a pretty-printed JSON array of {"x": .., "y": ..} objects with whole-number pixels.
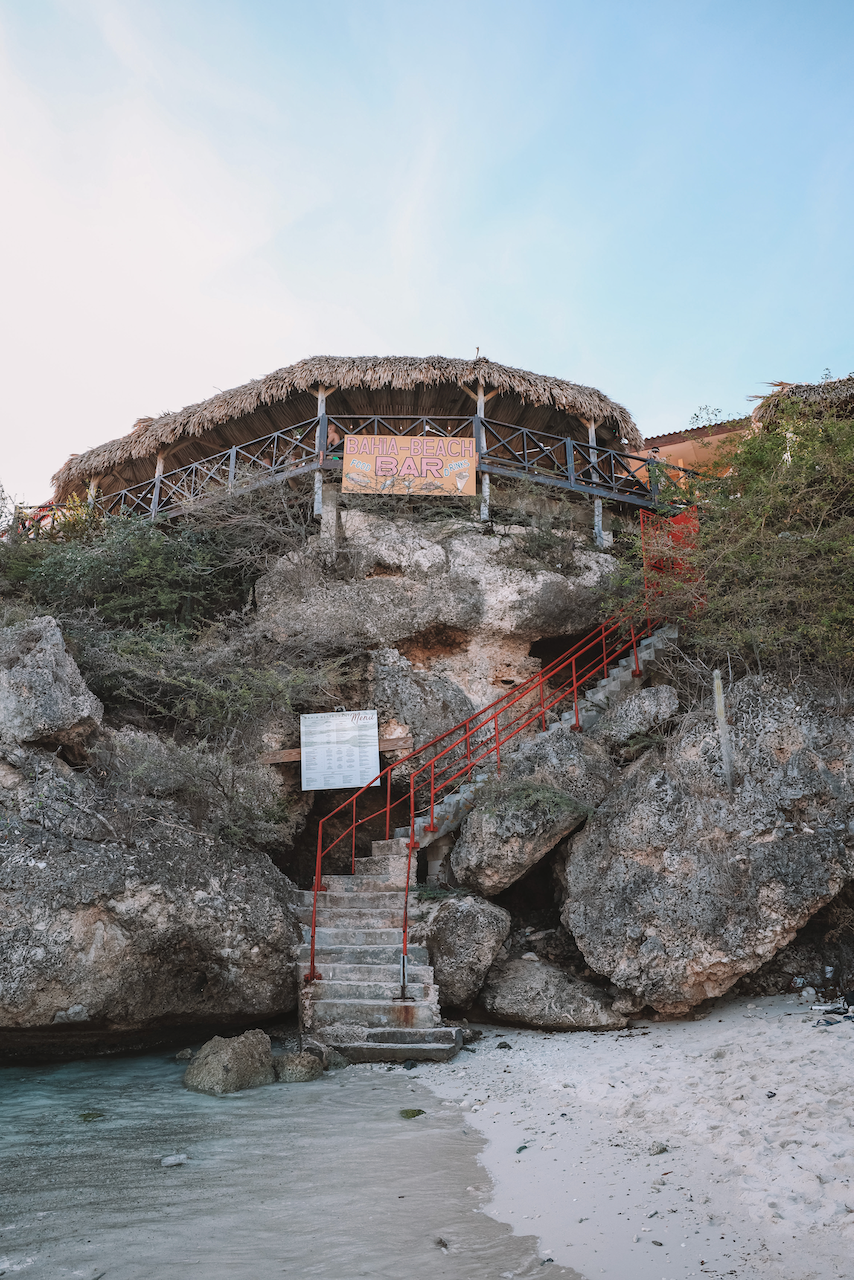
[{"x": 771, "y": 581}]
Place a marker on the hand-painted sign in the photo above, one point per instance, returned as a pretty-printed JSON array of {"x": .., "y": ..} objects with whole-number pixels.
[
  {"x": 409, "y": 464},
  {"x": 339, "y": 749}
]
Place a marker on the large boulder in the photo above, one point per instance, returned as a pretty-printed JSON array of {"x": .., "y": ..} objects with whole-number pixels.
[
  {"x": 636, "y": 716},
  {"x": 465, "y": 936},
  {"x": 43, "y": 698},
  {"x": 547, "y": 787},
  {"x": 408, "y": 578},
  {"x": 106, "y": 948},
  {"x": 227, "y": 1066},
  {"x": 530, "y": 993},
  {"x": 676, "y": 889}
]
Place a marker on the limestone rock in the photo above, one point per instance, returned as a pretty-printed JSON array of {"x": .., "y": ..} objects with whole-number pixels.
[
  {"x": 636, "y": 715},
  {"x": 227, "y": 1066},
  {"x": 410, "y": 578},
  {"x": 675, "y": 890},
  {"x": 532, "y": 994},
  {"x": 547, "y": 787},
  {"x": 465, "y": 936},
  {"x": 297, "y": 1068},
  {"x": 43, "y": 697},
  {"x": 107, "y": 948}
]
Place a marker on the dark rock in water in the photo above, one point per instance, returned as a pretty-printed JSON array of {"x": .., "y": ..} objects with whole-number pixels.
[
  {"x": 297, "y": 1068},
  {"x": 184, "y": 1055},
  {"x": 464, "y": 938},
  {"x": 532, "y": 994},
  {"x": 336, "y": 1061},
  {"x": 227, "y": 1066},
  {"x": 676, "y": 889}
]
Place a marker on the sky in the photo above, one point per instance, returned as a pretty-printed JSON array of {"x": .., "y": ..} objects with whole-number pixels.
[{"x": 652, "y": 197}]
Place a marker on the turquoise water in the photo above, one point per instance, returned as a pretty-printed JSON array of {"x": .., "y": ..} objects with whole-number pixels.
[{"x": 315, "y": 1180}]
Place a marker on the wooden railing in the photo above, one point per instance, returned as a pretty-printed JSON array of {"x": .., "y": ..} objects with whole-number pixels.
[{"x": 311, "y": 446}]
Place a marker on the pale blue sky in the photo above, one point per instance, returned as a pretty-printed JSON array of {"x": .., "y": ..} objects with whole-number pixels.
[{"x": 648, "y": 196}]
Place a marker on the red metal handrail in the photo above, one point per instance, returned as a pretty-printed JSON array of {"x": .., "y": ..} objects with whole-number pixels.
[{"x": 451, "y": 757}]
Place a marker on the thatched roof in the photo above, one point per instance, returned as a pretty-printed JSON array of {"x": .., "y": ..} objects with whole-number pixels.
[
  {"x": 355, "y": 385},
  {"x": 818, "y": 398}
]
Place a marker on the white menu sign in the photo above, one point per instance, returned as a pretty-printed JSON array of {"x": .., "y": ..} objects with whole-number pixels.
[{"x": 339, "y": 749}]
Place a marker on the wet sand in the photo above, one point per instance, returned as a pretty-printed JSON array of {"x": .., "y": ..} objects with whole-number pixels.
[
  {"x": 321, "y": 1180},
  {"x": 753, "y": 1105}
]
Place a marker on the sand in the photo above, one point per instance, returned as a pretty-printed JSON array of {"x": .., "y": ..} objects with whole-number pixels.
[{"x": 753, "y": 1106}]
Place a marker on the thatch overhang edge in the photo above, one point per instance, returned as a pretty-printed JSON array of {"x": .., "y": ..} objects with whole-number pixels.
[
  {"x": 344, "y": 372},
  {"x": 823, "y": 397}
]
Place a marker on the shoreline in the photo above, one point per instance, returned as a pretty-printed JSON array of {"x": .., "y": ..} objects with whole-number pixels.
[{"x": 751, "y": 1104}]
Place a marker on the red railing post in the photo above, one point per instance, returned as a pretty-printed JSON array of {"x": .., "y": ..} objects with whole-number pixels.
[
  {"x": 353, "y": 858},
  {"x": 637, "y": 671},
  {"x": 432, "y": 825},
  {"x": 388, "y": 805},
  {"x": 577, "y": 725},
  {"x": 497, "y": 741},
  {"x": 604, "y": 653},
  {"x": 312, "y": 972},
  {"x": 542, "y": 708}
]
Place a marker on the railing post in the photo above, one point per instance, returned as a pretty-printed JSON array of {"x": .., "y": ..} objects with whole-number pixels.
[
  {"x": 577, "y": 726},
  {"x": 232, "y": 466},
  {"x": 480, "y": 445},
  {"x": 353, "y": 867},
  {"x": 542, "y": 708},
  {"x": 497, "y": 740},
  {"x": 158, "y": 476},
  {"x": 388, "y": 805},
  {"x": 637, "y": 671},
  {"x": 320, "y": 451},
  {"x": 432, "y": 826}
]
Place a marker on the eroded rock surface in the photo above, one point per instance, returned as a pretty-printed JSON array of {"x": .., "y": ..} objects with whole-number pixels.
[
  {"x": 104, "y": 947},
  {"x": 547, "y": 787},
  {"x": 636, "y": 715},
  {"x": 297, "y": 1068},
  {"x": 410, "y": 578},
  {"x": 229, "y": 1065},
  {"x": 43, "y": 697},
  {"x": 464, "y": 938},
  {"x": 530, "y": 993},
  {"x": 675, "y": 890}
]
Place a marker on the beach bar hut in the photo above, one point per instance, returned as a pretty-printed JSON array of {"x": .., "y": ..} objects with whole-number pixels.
[{"x": 295, "y": 421}]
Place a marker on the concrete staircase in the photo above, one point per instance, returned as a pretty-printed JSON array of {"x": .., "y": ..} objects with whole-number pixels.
[
  {"x": 449, "y": 812},
  {"x": 353, "y": 1005}
]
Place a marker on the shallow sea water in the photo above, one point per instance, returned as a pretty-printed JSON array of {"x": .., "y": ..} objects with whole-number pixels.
[{"x": 323, "y": 1180}]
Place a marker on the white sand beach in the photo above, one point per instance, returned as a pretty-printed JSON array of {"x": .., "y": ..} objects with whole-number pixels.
[{"x": 753, "y": 1104}]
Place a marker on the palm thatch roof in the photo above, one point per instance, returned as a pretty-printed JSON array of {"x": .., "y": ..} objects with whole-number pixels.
[
  {"x": 818, "y": 398},
  {"x": 363, "y": 385}
]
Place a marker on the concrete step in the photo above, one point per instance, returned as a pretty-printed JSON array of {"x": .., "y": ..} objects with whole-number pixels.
[
  {"x": 372, "y": 972},
  {"x": 375, "y": 1013},
  {"x": 327, "y": 938},
  {"x": 360, "y": 955},
  {"x": 372, "y": 989},
  {"x": 355, "y": 917},
  {"x": 366, "y": 1044},
  {"x": 333, "y": 900}
]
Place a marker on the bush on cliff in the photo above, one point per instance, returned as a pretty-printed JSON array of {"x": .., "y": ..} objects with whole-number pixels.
[{"x": 771, "y": 581}]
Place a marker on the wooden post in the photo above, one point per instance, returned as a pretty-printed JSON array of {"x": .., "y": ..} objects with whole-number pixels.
[
  {"x": 158, "y": 476},
  {"x": 320, "y": 450},
  {"x": 92, "y": 491},
  {"x": 598, "y": 534},
  {"x": 480, "y": 431},
  {"x": 232, "y": 465}
]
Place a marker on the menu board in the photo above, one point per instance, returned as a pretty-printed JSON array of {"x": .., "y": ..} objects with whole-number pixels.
[{"x": 339, "y": 749}]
